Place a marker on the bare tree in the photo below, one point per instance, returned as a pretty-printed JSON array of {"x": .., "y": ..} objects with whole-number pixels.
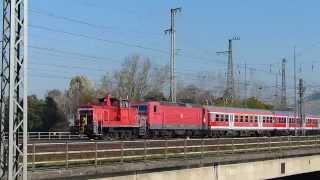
[{"x": 80, "y": 92}]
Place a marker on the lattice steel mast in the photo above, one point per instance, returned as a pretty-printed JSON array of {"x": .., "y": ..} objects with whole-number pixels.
[
  {"x": 229, "y": 94},
  {"x": 172, "y": 32},
  {"x": 14, "y": 89},
  {"x": 283, "y": 85}
]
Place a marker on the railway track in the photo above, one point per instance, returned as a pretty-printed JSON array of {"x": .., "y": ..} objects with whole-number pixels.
[{"x": 70, "y": 154}]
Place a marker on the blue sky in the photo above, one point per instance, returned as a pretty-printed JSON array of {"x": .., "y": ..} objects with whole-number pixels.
[{"x": 268, "y": 30}]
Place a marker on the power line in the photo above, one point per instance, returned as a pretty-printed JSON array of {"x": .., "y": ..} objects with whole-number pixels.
[
  {"x": 82, "y": 22},
  {"x": 59, "y": 51},
  {"x": 68, "y": 66},
  {"x": 97, "y": 38},
  {"x": 41, "y": 12}
]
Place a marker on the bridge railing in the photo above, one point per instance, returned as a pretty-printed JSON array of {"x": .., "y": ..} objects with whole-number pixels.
[
  {"x": 52, "y": 136},
  {"x": 97, "y": 153}
]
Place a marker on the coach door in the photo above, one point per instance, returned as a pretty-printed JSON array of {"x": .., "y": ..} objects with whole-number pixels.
[
  {"x": 260, "y": 121},
  {"x": 231, "y": 120}
]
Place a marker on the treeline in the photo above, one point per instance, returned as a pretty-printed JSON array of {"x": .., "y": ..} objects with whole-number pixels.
[{"x": 137, "y": 79}]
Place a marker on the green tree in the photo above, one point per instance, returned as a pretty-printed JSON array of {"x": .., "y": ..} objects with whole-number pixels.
[
  {"x": 52, "y": 117},
  {"x": 35, "y": 116},
  {"x": 253, "y": 102}
]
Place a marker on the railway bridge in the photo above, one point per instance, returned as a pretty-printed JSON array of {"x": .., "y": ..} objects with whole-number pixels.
[{"x": 220, "y": 158}]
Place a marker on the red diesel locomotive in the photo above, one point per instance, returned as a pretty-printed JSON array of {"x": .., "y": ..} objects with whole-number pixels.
[{"x": 115, "y": 118}]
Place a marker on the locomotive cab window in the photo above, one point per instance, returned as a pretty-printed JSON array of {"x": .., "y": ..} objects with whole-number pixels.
[{"x": 143, "y": 108}]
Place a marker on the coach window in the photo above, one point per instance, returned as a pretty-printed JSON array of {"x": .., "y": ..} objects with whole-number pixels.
[
  {"x": 246, "y": 118},
  {"x": 217, "y": 117},
  {"x": 236, "y": 118},
  {"x": 251, "y": 118},
  {"x": 224, "y": 117},
  {"x": 264, "y": 119},
  {"x": 154, "y": 108},
  {"x": 241, "y": 118},
  {"x": 255, "y": 119}
]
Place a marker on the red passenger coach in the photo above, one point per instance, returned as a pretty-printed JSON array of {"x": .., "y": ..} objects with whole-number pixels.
[{"x": 238, "y": 118}]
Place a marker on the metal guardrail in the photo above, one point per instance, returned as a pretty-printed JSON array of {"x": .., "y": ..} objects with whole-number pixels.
[
  {"x": 98, "y": 153},
  {"x": 53, "y": 136}
]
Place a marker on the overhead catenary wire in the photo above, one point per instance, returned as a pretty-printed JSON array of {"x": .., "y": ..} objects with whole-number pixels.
[{"x": 201, "y": 58}]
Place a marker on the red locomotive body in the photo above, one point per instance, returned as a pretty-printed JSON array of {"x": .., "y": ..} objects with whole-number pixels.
[
  {"x": 110, "y": 114},
  {"x": 172, "y": 117}
]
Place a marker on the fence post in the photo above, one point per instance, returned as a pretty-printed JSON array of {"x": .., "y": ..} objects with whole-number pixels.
[
  {"x": 280, "y": 145},
  {"x": 96, "y": 154},
  {"x": 289, "y": 142},
  {"x": 39, "y": 135},
  {"x": 232, "y": 145},
  {"x": 185, "y": 148},
  {"x": 145, "y": 150},
  {"x": 202, "y": 148},
  {"x": 49, "y": 135},
  {"x": 67, "y": 155},
  {"x": 218, "y": 148},
  {"x": 34, "y": 156},
  {"x": 122, "y": 151},
  {"x": 269, "y": 144},
  {"x": 166, "y": 150}
]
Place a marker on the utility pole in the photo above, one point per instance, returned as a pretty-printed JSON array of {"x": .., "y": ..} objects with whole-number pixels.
[
  {"x": 172, "y": 32},
  {"x": 276, "y": 101},
  {"x": 13, "y": 100},
  {"x": 245, "y": 85},
  {"x": 283, "y": 86},
  {"x": 301, "y": 107},
  {"x": 295, "y": 81},
  {"x": 229, "y": 93}
]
